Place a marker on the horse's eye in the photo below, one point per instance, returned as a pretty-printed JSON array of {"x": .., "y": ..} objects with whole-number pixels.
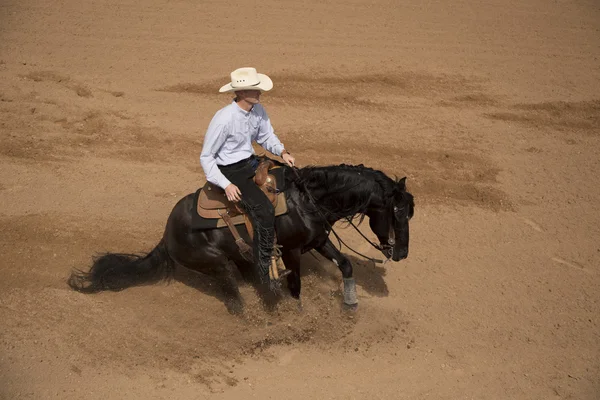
[{"x": 396, "y": 209}]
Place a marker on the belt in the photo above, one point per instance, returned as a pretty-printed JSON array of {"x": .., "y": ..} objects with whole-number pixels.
[{"x": 236, "y": 164}]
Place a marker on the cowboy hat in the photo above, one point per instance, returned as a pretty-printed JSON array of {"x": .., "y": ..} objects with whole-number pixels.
[{"x": 247, "y": 79}]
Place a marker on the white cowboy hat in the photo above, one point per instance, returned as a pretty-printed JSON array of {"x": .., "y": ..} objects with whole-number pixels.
[{"x": 247, "y": 79}]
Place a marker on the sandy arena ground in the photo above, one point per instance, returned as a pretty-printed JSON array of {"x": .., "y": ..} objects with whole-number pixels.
[{"x": 491, "y": 109}]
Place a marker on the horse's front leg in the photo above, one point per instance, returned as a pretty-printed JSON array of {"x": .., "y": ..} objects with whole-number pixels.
[
  {"x": 329, "y": 251},
  {"x": 291, "y": 260}
]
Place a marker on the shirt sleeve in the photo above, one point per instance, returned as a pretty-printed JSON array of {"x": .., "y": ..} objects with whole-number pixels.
[
  {"x": 215, "y": 137},
  {"x": 266, "y": 136}
]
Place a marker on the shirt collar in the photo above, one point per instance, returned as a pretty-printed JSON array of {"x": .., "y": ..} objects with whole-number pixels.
[{"x": 240, "y": 109}]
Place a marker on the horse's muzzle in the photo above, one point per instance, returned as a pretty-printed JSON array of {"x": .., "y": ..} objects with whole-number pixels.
[{"x": 400, "y": 255}]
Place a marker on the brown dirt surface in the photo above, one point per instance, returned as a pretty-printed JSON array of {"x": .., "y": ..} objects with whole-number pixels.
[{"x": 490, "y": 109}]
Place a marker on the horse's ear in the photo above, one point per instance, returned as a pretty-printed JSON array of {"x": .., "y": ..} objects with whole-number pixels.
[{"x": 402, "y": 184}]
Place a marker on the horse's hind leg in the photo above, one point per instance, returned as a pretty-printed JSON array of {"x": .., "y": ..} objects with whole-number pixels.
[
  {"x": 268, "y": 298},
  {"x": 203, "y": 251},
  {"x": 233, "y": 298},
  {"x": 329, "y": 251},
  {"x": 227, "y": 284}
]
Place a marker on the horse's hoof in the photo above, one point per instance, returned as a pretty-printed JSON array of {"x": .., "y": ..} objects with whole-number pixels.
[
  {"x": 234, "y": 307},
  {"x": 350, "y": 307},
  {"x": 276, "y": 287}
]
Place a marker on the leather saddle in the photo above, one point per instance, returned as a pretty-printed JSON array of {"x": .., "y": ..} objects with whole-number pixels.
[{"x": 213, "y": 203}]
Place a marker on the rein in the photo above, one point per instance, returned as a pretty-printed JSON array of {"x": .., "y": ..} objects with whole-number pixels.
[
  {"x": 391, "y": 240},
  {"x": 391, "y": 237}
]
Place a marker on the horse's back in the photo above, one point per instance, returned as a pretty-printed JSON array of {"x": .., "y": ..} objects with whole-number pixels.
[{"x": 182, "y": 211}]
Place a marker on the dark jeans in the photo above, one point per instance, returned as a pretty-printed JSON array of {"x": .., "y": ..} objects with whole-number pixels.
[{"x": 259, "y": 209}]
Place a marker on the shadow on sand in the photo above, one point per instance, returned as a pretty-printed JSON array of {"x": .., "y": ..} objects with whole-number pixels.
[{"x": 369, "y": 277}]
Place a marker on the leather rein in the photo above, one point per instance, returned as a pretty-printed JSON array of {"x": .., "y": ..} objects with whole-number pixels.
[{"x": 386, "y": 248}]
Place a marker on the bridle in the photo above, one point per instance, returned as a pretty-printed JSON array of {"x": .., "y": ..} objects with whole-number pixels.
[{"x": 387, "y": 249}]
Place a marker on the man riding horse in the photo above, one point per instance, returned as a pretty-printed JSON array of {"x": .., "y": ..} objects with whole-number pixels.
[
  {"x": 315, "y": 199},
  {"x": 228, "y": 159}
]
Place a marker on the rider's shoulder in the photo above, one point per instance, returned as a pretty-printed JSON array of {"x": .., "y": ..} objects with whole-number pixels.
[{"x": 224, "y": 113}]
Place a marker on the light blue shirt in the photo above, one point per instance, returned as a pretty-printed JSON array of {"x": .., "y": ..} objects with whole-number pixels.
[{"x": 229, "y": 139}]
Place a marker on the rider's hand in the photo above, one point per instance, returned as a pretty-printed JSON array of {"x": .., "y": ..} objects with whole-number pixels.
[
  {"x": 287, "y": 157},
  {"x": 233, "y": 193}
]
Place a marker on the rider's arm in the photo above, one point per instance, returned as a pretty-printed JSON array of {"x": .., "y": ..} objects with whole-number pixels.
[
  {"x": 213, "y": 141},
  {"x": 266, "y": 136}
]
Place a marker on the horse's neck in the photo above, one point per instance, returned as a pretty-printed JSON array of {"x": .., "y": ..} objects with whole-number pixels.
[{"x": 340, "y": 197}]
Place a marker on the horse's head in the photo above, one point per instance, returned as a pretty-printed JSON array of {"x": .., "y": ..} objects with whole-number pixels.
[{"x": 389, "y": 221}]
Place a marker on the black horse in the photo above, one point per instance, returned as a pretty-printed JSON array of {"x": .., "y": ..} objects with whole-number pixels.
[{"x": 317, "y": 197}]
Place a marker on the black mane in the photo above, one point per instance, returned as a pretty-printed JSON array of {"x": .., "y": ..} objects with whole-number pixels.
[{"x": 347, "y": 190}]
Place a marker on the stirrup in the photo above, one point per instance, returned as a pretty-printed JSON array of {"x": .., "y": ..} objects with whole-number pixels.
[{"x": 275, "y": 273}]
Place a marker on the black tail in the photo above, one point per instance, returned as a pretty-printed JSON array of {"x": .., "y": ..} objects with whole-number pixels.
[{"x": 116, "y": 271}]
